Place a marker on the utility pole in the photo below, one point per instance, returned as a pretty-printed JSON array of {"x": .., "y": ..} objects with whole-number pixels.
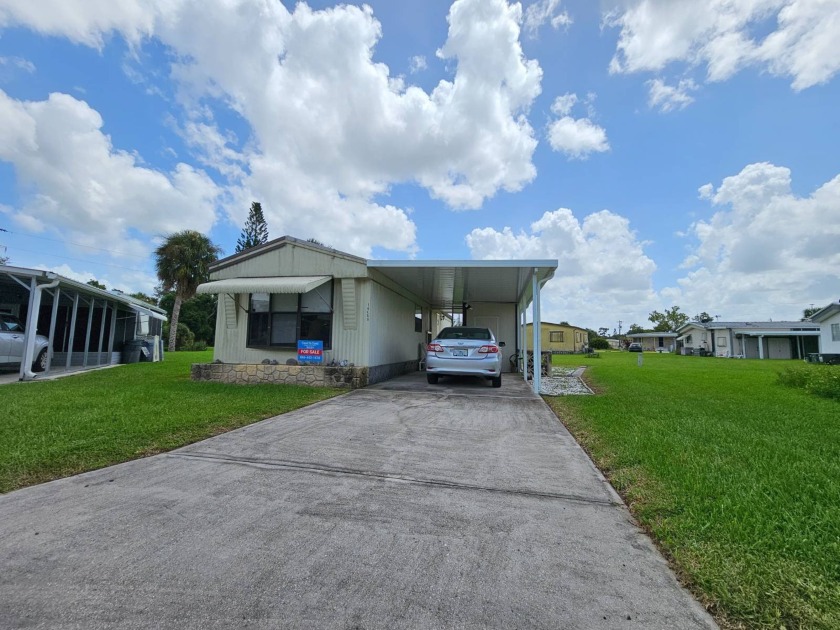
[{"x": 619, "y": 328}]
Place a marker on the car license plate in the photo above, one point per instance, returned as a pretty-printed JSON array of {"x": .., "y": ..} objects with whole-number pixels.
[{"x": 459, "y": 353}]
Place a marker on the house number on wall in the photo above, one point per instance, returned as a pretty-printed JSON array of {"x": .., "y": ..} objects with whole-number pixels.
[{"x": 367, "y": 312}]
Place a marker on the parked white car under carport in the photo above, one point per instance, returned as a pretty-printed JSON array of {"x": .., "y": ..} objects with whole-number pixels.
[
  {"x": 464, "y": 351},
  {"x": 12, "y": 336}
]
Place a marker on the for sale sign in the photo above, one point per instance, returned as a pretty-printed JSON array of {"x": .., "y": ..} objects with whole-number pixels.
[{"x": 310, "y": 351}]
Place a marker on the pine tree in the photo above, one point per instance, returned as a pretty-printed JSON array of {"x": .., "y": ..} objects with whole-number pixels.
[{"x": 255, "y": 231}]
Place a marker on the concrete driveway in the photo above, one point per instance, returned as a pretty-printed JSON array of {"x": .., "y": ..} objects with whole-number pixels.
[{"x": 402, "y": 505}]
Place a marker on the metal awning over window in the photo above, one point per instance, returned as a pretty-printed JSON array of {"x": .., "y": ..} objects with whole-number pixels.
[
  {"x": 146, "y": 311},
  {"x": 286, "y": 284}
]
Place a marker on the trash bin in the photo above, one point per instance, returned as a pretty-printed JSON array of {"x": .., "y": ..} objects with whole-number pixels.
[{"x": 131, "y": 351}]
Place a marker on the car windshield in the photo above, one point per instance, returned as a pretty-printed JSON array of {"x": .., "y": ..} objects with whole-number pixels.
[{"x": 462, "y": 332}]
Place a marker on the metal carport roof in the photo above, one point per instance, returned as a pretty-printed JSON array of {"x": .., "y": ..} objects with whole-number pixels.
[{"x": 446, "y": 284}]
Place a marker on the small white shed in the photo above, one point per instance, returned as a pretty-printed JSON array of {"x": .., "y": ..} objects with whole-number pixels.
[{"x": 372, "y": 317}]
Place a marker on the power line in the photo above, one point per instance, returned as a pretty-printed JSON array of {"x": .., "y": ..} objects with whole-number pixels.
[
  {"x": 88, "y": 262},
  {"x": 57, "y": 240}
]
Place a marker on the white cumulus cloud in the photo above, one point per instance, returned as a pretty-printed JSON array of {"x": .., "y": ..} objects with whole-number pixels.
[
  {"x": 720, "y": 35},
  {"x": 603, "y": 273},
  {"x": 576, "y": 137},
  {"x": 545, "y": 12},
  {"x": 766, "y": 252},
  {"x": 331, "y": 129},
  {"x": 85, "y": 189},
  {"x": 417, "y": 64},
  {"x": 670, "y": 97}
]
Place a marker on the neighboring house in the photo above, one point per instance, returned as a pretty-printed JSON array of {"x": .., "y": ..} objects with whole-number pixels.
[
  {"x": 750, "y": 340},
  {"x": 369, "y": 319},
  {"x": 85, "y": 327},
  {"x": 654, "y": 341},
  {"x": 829, "y": 322},
  {"x": 615, "y": 344},
  {"x": 560, "y": 338}
]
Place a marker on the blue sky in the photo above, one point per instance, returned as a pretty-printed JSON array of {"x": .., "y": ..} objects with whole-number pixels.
[{"x": 664, "y": 151}]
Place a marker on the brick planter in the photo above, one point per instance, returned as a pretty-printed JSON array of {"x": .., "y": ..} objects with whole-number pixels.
[{"x": 312, "y": 375}]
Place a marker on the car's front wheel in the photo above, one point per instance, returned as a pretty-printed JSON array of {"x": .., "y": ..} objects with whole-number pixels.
[
  {"x": 432, "y": 379},
  {"x": 41, "y": 362}
]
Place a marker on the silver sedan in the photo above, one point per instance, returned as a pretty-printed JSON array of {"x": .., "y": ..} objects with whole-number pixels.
[
  {"x": 11, "y": 344},
  {"x": 464, "y": 351}
]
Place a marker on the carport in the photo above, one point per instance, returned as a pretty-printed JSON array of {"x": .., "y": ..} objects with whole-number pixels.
[
  {"x": 86, "y": 327},
  {"x": 491, "y": 293}
]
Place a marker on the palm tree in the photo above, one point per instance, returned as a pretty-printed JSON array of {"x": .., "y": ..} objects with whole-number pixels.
[{"x": 183, "y": 262}]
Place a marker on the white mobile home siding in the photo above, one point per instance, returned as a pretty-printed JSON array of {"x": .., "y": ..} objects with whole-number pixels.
[
  {"x": 391, "y": 320},
  {"x": 349, "y": 345},
  {"x": 293, "y": 260},
  {"x": 827, "y": 344}
]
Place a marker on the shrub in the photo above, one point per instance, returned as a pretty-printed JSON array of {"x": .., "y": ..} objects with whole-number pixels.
[
  {"x": 599, "y": 343},
  {"x": 822, "y": 380},
  {"x": 184, "y": 338}
]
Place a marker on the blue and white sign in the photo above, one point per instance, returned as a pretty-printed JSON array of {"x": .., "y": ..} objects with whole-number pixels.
[{"x": 310, "y": 351}]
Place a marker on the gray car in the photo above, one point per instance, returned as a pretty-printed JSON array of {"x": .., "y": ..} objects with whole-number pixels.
[
  {"x": 11, "y": 344},
  {"x": 464, "y": 351}
]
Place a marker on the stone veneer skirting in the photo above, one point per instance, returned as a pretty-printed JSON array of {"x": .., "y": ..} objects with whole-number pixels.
[{"x": 312, "y": 375}]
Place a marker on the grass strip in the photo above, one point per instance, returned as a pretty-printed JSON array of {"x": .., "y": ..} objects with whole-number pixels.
[
  {"x": 57, "y": 428},
  {"x": 736, "y": 476}
]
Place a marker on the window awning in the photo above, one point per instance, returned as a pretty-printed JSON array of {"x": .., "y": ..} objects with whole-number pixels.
[
  {"x": 285, "y": 284},
  {"x": 147, "y": 311}
]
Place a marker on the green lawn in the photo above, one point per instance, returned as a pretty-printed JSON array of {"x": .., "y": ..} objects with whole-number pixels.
[
  {"x": 57, "y": 428},
  {"x": 735, "y": 475}
]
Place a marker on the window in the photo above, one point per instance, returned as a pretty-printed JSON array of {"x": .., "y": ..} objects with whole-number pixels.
[
  {"x": 459, "y": 332},
  {"x": 578, "y": 336},
  {"x": 418, "y": 319},
  {"x": 835, "y": 332},
  {"x": 12, "y": 323},
  {"x": 282, "y": 319},
  {"x": 721, "y": 342},
  {"x": 555, "y": 336}
]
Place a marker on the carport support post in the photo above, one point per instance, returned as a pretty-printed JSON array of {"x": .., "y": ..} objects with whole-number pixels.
[
  {"x": 69, "y": 361},
  {"x": 537, "y": 317},
  {"x": 101, "y": 332},
  {"x": 524, "y": 324},
  {"x": 87, "y": 332},
  {"x": 113, "y": 332},
  {"x": 56, "y": 297},
  {"x": 30, "y": 329},
  {"x": 761, "y": 346}
]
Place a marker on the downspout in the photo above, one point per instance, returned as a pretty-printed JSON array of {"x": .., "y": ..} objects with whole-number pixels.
[{"x": 32, "y": 331}]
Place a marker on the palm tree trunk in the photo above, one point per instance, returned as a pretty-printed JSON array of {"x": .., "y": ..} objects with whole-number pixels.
[{"x": 173, "y": 323}]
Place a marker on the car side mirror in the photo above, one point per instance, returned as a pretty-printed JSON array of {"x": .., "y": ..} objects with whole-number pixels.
[{"x": 501, "y": 344}]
